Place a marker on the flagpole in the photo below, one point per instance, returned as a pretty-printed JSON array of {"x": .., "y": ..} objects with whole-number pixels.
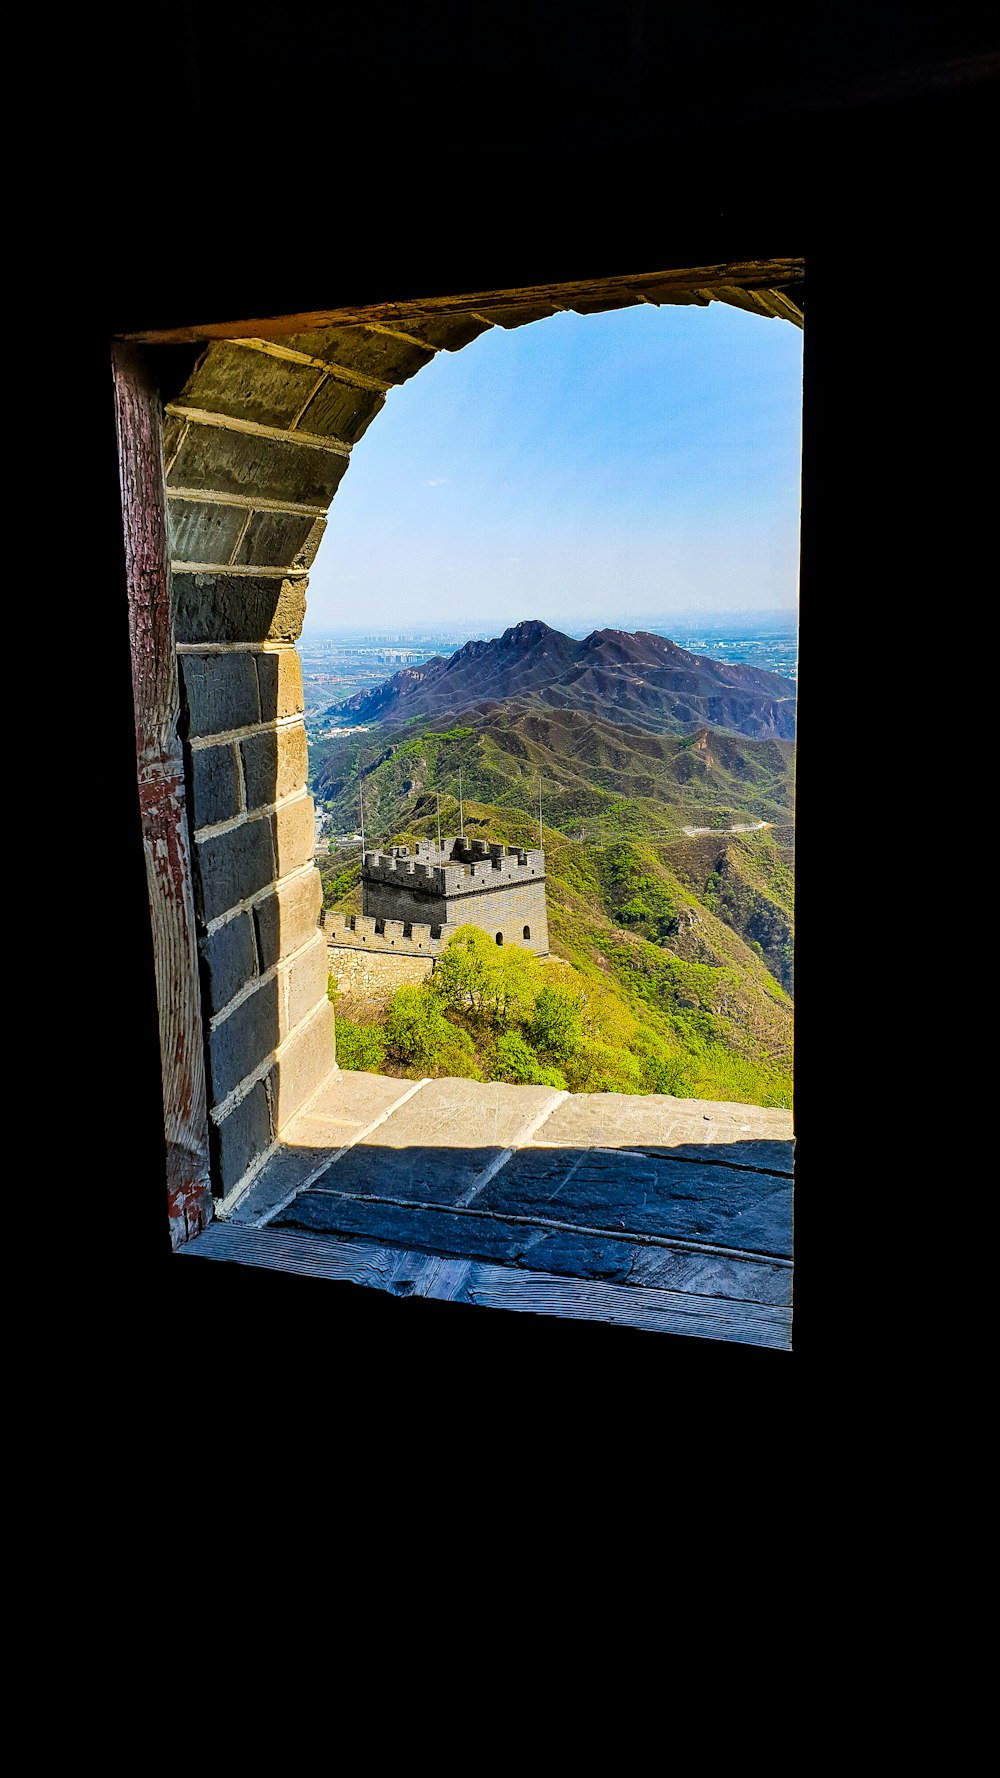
[
  {"x": 361, "y": 799},
  {"x": 461, "y": 812},
  {"x": 539, "y": 811},
  {"x": 439, "y": 819}
]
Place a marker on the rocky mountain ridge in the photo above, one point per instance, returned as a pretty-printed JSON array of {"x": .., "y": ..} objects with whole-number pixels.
[{"x": 632, "y": 677}]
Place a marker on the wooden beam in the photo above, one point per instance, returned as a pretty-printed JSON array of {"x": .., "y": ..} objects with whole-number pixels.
[
  {"x": 448, "y": 1278},
  {"x": 161, "y": 792},
  {"x": 657, "y": 287}
]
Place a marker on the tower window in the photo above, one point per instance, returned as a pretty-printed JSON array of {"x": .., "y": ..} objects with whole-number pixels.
[
  {"x": 527, "y": 932},
  {"x": 499, "y": 938}
]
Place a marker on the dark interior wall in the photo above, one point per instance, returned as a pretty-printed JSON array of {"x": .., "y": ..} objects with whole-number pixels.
[
  {"x": 270, "y": 172},
  {"x": 451, "y": 150}
]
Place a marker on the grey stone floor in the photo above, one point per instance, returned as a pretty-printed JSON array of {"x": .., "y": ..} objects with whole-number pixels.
[{"x": 668, "y": 1214}]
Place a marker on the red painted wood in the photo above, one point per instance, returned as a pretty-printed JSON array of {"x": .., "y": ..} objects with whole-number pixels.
[{"x": 162, "y": 794}]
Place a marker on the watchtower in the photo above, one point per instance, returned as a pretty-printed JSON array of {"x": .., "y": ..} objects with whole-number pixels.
[{"x": 483, "y": 883}]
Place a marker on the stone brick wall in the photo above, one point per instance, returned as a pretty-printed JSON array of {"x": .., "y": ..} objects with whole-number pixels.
[
  {"x": 370, "y": 959},
  {"x": 374, "y": 976},
  {"x": 257, "y": 896},
  {"x": 256, "y": 442}
]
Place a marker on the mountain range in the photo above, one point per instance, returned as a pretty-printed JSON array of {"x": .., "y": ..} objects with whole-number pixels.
[
  {"x": 635, "y": 678},
  {"x": 667, "y": 784}
]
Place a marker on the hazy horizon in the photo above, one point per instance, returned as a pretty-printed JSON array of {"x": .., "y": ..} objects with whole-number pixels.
[
  {"x": 767, "y": 617},
  {"x": 633, "y": 470}
]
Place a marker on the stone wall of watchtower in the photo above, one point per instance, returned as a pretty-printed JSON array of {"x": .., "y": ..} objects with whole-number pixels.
[{"x": 495, "y": 887}]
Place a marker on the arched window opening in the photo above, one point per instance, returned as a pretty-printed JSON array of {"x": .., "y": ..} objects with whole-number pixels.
[{"x": 255, "y": 830}]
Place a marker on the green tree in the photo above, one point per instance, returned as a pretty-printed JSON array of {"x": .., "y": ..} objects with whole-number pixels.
[{"x": 498, "y": 983}]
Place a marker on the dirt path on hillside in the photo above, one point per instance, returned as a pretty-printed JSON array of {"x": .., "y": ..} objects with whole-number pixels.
[{"x": 694, "y": 833}]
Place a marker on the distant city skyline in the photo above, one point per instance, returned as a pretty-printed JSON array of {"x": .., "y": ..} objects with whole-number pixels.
[{"x": 636, "y": 469}]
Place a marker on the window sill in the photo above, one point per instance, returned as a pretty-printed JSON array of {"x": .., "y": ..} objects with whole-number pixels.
[{"x": 670, "y": 1215}]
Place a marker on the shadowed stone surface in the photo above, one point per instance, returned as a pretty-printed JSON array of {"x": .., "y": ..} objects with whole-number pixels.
[
  {"x": 201, "y": 532},
  {"x": 223, "y": 462},
  {"x": 380, "y": 355},
  {"x": 219, "y": 693},
  {"x": 277, "y": 539},
  {"x": 345, "y": 1106},
  {"x": 653, "y": 1194},
  {"x": 237, "y": 608},
  {"x": 229, "y": 961},
  {"x": 472, "y": 1237}
]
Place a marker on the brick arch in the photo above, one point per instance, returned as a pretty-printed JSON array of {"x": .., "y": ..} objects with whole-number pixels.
[{"x": 258, "y": 430}]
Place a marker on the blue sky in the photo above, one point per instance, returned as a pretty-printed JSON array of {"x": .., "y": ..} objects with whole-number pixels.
[{"x": 588, "y": 470}]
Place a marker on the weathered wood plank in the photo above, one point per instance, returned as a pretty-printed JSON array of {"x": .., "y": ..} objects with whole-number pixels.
[
  {"x": 276, "y": 1251},
  {"x": 749, "y": 274},
  {"x": 660, "y": 1311},
  {"x": 161, "y": 792},
  {"x": 498, "y": 1287}
]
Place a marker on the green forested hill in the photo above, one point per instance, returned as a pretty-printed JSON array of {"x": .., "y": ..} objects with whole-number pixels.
[{"x": 602, "y": 779}]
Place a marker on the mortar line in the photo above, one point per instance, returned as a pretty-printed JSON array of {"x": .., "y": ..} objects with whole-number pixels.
[
  {"x": 239, "y": 570},
  {"x": 216, "y": 828},
  {"x": 323, "y": 378},
  {"x": 409, "y": 339},
  {"x": 216, "y": 497},
  {"x": 244, "y": 528},
  {"x": 251, "y": 901},
  {"x": 259, "y": 981},
  {"x": 241, "y": 777},
  {"x": 219, "y": 1113},
  {"x": 168, "y": 465},
  {"x": 273, "y": 725},
  {"x": 269, "y": 645},
  {"x": 224, "y": 1207},
  {"x": 357, "y": 379},
  {"x": 311, "y": 441}
]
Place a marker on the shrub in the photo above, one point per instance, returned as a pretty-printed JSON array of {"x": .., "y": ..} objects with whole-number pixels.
[
  {"x": 360, "y": 1046},
  {"x": 556, "y": 1025},
  {"x": 415, "y": 1025},
  {"x": 598, "y": 1068},
  {"x": 666, "y": 1074},
  {"x": 515, "y": 1060},
  {"x": 418, "y": 1032}
]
